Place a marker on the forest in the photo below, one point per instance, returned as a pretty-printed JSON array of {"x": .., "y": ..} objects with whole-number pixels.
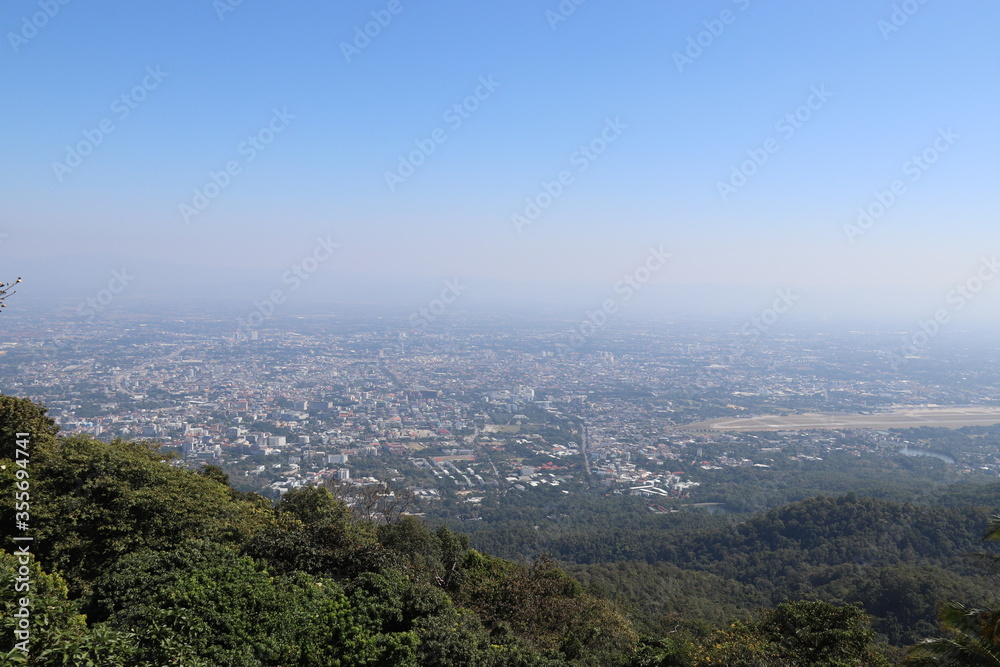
[{"x": 135, "y": 560}]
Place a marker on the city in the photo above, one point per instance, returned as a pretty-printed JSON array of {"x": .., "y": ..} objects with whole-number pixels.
[{"x": 472, "y": 408}]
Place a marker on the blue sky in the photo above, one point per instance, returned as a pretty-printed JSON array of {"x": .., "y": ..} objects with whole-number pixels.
[{"x": 889, "y": 94}]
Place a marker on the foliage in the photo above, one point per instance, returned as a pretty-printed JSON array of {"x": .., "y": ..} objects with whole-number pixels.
[
  {"x": 800, "y": 633},
  {"x": 160, "y": 565},
  {"x": 544, "y": 605},
  {"x": 59, "y": 633},
  {"x": 896, "y": 560},
  {"x": 18, "y": 415},
  {"x": 972, "y": 637},
  {"x": 141, "y": 562},
  {"x": 95, "y": 502},
  {"x": 971, "y": 634}
]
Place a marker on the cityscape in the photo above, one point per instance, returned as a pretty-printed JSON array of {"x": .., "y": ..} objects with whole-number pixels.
[{"x": 487, "y": 405}]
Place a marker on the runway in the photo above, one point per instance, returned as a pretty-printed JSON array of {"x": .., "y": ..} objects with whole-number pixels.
[{"x": 902, "y": 418}]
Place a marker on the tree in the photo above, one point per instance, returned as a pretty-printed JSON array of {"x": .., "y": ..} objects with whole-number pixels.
[
  {"x": 317, "y": 533},
  {"x": 378, "y": 503},
  {"x": 93, "y": 502},
  {"x": 972, "y": 635},
  {"x": 797, "y": 633},
  {"x": 174, "y": 567},
  {"x": 5, "y": 292},
  {"x": 19, "y": 415},
  {"x": 972, "y": 638},
  {"x": 229, "y": 611},
  {"x": 58, "y": 631},
  {"x": 545, "y": 606}
]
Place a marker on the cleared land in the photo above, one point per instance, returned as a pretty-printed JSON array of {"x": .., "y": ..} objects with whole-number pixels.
[{"x": 903, "y": 418}]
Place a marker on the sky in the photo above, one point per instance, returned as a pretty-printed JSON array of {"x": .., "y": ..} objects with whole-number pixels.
[{"x": 839, "y": 149}]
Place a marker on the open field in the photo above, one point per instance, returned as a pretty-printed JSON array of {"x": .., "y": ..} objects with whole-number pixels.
[
  {"x": 501, "y": 428},
  {"x": 902, "y": 418}
]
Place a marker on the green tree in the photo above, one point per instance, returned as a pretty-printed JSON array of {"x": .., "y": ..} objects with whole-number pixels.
[
  {"x": 19, "y": 415},
  {"x": 94, "y": 502},
  {"x": 228, "y": 610},
  {"x": 317, "y": 533},
  {"x": 972, "y": 635},
  {"x": 59, "y": 634},
  {"x": 797, "y": 633},
  {"x": 972, "y": 638},
  {"x": 545, "y": 606}
]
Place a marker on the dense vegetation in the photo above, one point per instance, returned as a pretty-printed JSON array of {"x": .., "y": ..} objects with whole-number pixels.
[
  {"x": 136, "y": 561},
  {"x": 140, "y": 562},
  {"x": 897, "y": 560}
]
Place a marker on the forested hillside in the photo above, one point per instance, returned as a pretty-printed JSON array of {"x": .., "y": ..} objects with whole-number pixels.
[
  {"x": 141, "y": 562},
  {"x": 136, "y": 561},
  {"x": 897, "y": 560}
]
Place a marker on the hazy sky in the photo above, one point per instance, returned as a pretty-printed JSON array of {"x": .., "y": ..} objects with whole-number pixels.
[{"x": 742, "y": 136}]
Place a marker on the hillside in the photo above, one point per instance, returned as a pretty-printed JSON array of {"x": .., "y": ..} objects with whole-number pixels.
[{"x": 136, "y": 561}]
